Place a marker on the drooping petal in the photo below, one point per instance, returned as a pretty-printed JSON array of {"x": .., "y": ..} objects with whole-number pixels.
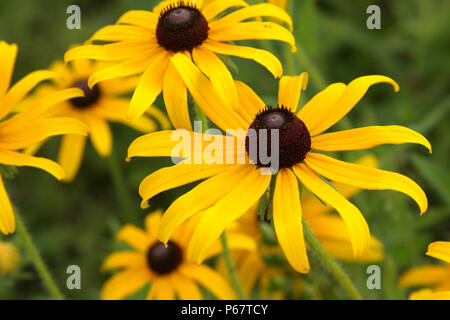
[
  {"x": 235, "y": 241},
  {"x": 218, "y": 6},
  {"x": 124, "y": 283},
  {"x": 135, "y": 237},
  {"x": 150, "y": 84},
  {"x": 209, "y": 279},
  {"x": 185, "y": 287},
  {"x": 20, "y": 159},
  {"x": 356, "y": 224},
  {"x": 175, "y": 99},
  {"x": 287, "y": 220},
  {"x": 259, "y": 10},
  {"x": 290, "y": 89},
  {"x": 122, "y": 33},
  {"x": 204, "y": 94},
  {"x": 367, "y": 137},
  {"x": 439, "y": 250},
  {"x": 428, "y": 275},
  {"x": 263, "y": 57},
  {"x": 124, "y": 259},
  {"x": 211, "y": 65},
  {"x": 314, "y": 111},
  {"x": 100, "y": 134},
  {"x": 328, "y": 115},
  {"x": 200, "y": 198},
  {"x": 7, "y": 220},
  {"x": 8, "y": 53},
  {"x": 161, "y": 289},
  {"x": 366, "y": 177},
  {"x": 175, "y": 176},
  {"x": 71, "y": 154},
  {"x": 21, "y": 88},
  {"x": 427, "y": 294},
  {"x": 253, "y": 30},
  {"x": 152, "y": 221},
  {"x": 230, "y": 207},
  {"x": 141, "y": 18}
]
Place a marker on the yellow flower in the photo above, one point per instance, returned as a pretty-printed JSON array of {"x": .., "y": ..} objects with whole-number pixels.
[
  {"x": 437, "y": 276},
  {"x": 231, "y": 189},
  {"x": 100, "y": 104},
  {"x": 165, "y": 268},
  {"x": 250, "y": 264},
  {"x": 146, "y": 42},
  {"x": 28, "y": 127},
  {"x": 9, "y": 257}
]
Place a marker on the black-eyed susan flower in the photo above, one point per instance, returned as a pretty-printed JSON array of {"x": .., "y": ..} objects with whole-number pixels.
[
  {"x": 28, "y": 127},
  {"x": 165, "y": 267},
  {"x": 9, "y": 257},
  {"x": 144, "y": 42},
  {"x": 437, "y": 277},
  {"x": 233, "y": 187},
  {"x": 100, "y": 105}
]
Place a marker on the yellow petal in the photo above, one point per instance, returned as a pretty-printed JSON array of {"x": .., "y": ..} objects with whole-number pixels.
[
  {"x": 124, "y": 283},
  {"x": 316, "y": 109},
  {"x": 121, "y": 33},
  {"x": 263, "y": 57},
  {"x": 235, "y": 241},
  {"x": 20, "y": 159},
  {"x": 135, "y": 237},
  {"x": 259, "y": 10},
  {"x": 175, "y": 99},
  {"x": 124, "y": 259},
  {"x": 71, "y": 154},
  {"x": 8, "y": 53},
  {"x": 7, "y": 220},
  {"x": 287, "y": 220},
  {"x": 100, "y": 134},
  {"x": 161, "y": 289},
  {"x": 250, "y": 103},
  {"x": 152, "y": 221},
  {"x": 155, "y": 144},
  {"x": 290, "y": 89},
  {"x": 160, "y": 117},
  {"x": 204, "y": 94},
  {"x": 175, "y": 176},
  {"x": 356, "y": 224},
  {"x": 21, "y": 88},
  {"x": 229, "y": 208},
  {"x": 218, "y": 6},
  {"x": 150, "y": 84},
  {"x": 209, "y": 279},
  {"x": 141, "y": 18},
  {"x": 253, "y": 30},
  {"x": 427, "y": 294},
  {"x": 218, "y": 74},
  {"x": 428, "y": 275},
  {"x": 329, "y": 114},
  {"x": 367, "y": 137},
  {"x": 439, "y": 250},
  {"x": 200, "y": 198},
  {"x": 185, "y": 287},
  {"x": 366, "y": 177}
]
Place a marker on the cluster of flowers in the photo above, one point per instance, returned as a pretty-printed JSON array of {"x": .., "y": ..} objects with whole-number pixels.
[{"x": 174, "y": 50}]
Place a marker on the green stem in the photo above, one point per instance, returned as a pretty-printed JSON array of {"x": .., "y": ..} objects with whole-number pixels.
[
  {"x": 36, "y": 258},
  {"x": 231, "y": 268},
  {"x": 121, "y": 189},
  {"x": 330, "y": 263}
]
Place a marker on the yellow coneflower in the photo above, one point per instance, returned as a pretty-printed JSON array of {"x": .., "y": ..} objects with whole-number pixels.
[
  {"x": 251, "y": 265},
  {"x": 101, "y": 104},
  {"x": 231, "y": 189},
  {"x": 9, "y": 257},
  {"x": 436, "y": 276},
  {"x": 29, "y": 126},
  {"x": 145, "y": 42},
  {"x": 165, "y": 267}
]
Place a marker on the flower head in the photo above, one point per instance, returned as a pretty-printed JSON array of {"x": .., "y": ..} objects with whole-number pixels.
[
  {"x": 28, "y": 127},
  {"x": 145, "y": 42},
  {"x": 232, "y": 188},
  {"x": 165, "y": 267}
]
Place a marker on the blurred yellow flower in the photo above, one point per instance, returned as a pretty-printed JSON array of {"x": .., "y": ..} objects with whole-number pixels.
[
  {"x": 165, "y": 268},
  {"x": 231, "y": 189},
  {"x": 101, "y": 104},
  {"x": 29, "y": 126},
  {"x": 9, "y": 257},
  {"x": 145, "y": 42},
  {"x": 436, "y": 276}
]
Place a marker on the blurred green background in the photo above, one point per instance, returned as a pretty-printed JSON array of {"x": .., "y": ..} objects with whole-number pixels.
[{"x": 75, "y": 223}]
